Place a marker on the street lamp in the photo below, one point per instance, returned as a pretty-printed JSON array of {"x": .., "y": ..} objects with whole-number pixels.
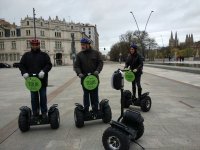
[
  {"x": 141, "y": 38},
  {"x": 120, "y": 57}
]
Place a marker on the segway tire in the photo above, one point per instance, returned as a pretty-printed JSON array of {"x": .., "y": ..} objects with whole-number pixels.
[
  {"x": 146, "y": 104},
  {"x": 107, "y": 114},
  {"x": 78, "y": 118},
  {"x": 54, "y": 119},
  {"x": 23, "y": 122},
  {"x": 114, "y": 138}
]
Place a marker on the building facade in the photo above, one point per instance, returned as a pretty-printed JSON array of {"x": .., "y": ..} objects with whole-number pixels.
[{"x": 58, "y": 38}]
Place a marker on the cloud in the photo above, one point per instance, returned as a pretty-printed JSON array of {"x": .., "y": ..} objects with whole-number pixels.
[{"x": 113, "y": 17}]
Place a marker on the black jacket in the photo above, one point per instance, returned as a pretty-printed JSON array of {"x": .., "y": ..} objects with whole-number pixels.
[
  {"x": 88, "y": 61},
  {"x": 134, "y": 61},
  {"x": 33, "y": 62}
]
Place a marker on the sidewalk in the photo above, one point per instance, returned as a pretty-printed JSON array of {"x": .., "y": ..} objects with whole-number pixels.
[{"x": 172, "y": 123}]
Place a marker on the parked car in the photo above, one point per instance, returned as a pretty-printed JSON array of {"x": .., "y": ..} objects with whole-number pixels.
[
  {"x": 5, "y": 65},
  {"x": 16, "y": 65}
]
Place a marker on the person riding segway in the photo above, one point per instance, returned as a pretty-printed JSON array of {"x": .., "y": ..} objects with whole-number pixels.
[
  {"x": 135, "y": 64},
  {"x": 34, "y": 67},
  {"x": 87, "y": 66}
]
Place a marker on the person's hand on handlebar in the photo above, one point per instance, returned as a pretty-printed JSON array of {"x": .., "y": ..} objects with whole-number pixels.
[
  {"x": 80, "y": 75},
  {"x": 41, "y": 74},
  {"x": 96, "y": 73},
  {"x": 25, "y": 75}
]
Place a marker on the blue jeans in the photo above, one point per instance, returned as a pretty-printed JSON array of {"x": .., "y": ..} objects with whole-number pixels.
[
  {"x": 91, "y": 96},
  {"x": 37, "y": 102}
]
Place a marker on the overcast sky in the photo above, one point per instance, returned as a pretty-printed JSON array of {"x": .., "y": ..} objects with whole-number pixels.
[{"x": 113, "y": 17}]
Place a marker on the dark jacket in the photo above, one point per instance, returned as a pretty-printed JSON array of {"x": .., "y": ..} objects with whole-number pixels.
[
  {"x": 33, "y": 62},
  {"x": 88, "y": 61},
  {"x": 134, "y": 61}
]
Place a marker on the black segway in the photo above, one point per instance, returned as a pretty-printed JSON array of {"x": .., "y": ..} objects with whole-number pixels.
[
  {"x": 26, "y": 118},
  {"x": 90, "y": 82},
  {"x": 144, "y": 101},
  {"x": 129, "y": 126}
]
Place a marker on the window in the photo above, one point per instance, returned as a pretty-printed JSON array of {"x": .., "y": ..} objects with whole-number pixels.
[
  {"x": 1, "y": 34},
  {"x": 89, "y": 32},
  {"x": 27, "y": 23},
  {"x": 12, "y": 33},
  {"x": 57, "y": 34},
  {"x": 58, "y": 44},
  {"x": 1, "y": 45},
  {"x": 89, "y": 28},
  {"x": 28, "y": 44},
  {"x": 83, "y": 29},
  {"x": 72, "y": 27},
  {"x": 41, "y": 24},
  {"x": 13, "y": 44},
  {"x": 43, "y": 44},
  {"x": 41, "y": 33},
  {"x": 28, "y": 32}
]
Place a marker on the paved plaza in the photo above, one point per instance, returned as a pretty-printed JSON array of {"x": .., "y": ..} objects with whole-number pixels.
[{"x": 173, "y": 123}]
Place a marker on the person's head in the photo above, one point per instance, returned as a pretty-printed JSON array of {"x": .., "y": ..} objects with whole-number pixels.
[
  {"x": 133, "y": 48},
  {"x": 85, "y": 43},
  {"x": 35, "y": 44}
]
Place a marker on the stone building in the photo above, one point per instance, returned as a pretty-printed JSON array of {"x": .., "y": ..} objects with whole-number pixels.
[
  {"x": 173, "y": 41},
  {"x": 58, "y": 38}
]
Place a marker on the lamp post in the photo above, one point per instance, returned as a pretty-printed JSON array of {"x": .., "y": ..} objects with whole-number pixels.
[
  {"x": 120, "y": 57},
  {"x": 141, "y": 38}
]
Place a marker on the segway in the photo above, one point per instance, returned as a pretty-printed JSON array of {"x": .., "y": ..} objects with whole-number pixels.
[
  {"x": 144, "y": 101},
  {"x": 91, "y": 82},
  {"x": 26, "y": 118},
  {"x": 129, "y": 126}
]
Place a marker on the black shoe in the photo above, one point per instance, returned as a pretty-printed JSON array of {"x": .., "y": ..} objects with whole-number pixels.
[{"x": 44, "y": 115}]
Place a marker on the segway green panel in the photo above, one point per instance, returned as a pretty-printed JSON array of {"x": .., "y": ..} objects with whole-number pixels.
[
  {"x": 90, "y": 82},
  {"x": 33, "y": 84},
  {"x": 129, "y": 76}
]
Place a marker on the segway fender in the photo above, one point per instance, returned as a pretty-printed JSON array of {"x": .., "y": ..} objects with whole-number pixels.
[
  {"x": 52, "y": 108},
  {"x": 144, "y": 94},
  {"x": 103, "y": 104},
  {"x": 25, "y": 110},
  {"x": 79, "y": 106}
]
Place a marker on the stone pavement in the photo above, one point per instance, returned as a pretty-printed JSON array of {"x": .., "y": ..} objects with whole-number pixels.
[{"x": 172, "y": 123}]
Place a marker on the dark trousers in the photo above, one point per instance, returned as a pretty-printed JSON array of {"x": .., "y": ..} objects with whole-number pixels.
[
  {"x": 90, "y": 96},
  {"x": 39, "y": 100},
  {"x": 137, "y": 82}
]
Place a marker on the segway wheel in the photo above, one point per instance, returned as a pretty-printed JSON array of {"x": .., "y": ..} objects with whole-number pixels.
[
  {"x": 115, "y": 139},
  {"x": 23, "y": 122},
  {"x": 146, "y": 104},
  {"x": 54, "y": 119},
  {"x": 107, "y": 114},
  {"x": 78, "y": 118}
]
